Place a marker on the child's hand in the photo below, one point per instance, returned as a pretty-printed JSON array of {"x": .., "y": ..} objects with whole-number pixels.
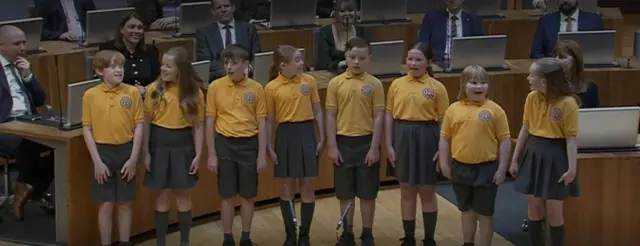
[
  {"x": 146, "y": 160},
  {"x": 212, "y": 163},
  {"x": 373, "y": 156},
  {"x": 391, "y": 155},
  {"x": 513, "y": 170},
  {"x": 101, "y": 173},
  {"x": 273, "y": 156},
  {"x": 193, "y": 169},
  {"x": 128, "y": 171},
  {"x": 334, "y": 154},
  {"x": 320, "y": 147},
  {"x": 262, "y": 163},
  {"x": 568, "y": 177},
  {"x": 499, "y": 177},
  {"x": 445, "y": 169}
]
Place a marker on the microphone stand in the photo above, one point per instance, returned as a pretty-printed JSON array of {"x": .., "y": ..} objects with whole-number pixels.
[
  {"x": 343, "y": 218},
  {"x": 293, "y": 214}
]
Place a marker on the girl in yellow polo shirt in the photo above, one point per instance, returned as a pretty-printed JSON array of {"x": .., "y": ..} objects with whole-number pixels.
[
  {"x": 544, "y": 160},
  {"x": 294, "y": 105},
  {"x": 416, "y": 104},
  {"x": 174, "y": 112},
  {"x": 475, "y": 132}
]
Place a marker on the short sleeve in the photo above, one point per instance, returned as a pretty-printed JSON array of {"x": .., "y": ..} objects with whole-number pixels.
[
  {"x": 201, "y": 106},
  {"x": 261, "y": 107},
  {"x": 442, "y": 97},
  {"x": 270, "y": 100},
  {"x": 86, "y": 110},
  {"x": 378, "y": 95},
  {"x": 212, "y": 109},
  {"x": 570, "y": 118},
  {"x": 527, "y": 109},
  {"x": 390, "y": 97},
  {"x": 331, "y": 101},
  {"x": 501, "y": 124},
  {"x": 148, "y": 102},
  {"x": 445, "y": 127},
  {"x": 315, "y": 98},
  {"x": 138, "y": 110}
]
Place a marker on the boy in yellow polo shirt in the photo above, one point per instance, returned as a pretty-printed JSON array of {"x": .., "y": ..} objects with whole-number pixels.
[
  {"x": 235, "y": 135},
  {"x": 471, "y": 132},
  {"x": 355, "y": 115},
  {"x": 112, "y": 119}
]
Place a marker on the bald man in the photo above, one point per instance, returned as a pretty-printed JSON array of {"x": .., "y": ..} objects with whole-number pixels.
[{"x": 21, "y": 94}]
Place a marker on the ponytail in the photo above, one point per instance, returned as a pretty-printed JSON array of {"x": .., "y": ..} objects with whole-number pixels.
[{"x": 273, "y": 72}]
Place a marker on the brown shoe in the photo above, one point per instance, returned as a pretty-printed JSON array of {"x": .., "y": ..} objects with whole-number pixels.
[{"x": 22, "y": 193}]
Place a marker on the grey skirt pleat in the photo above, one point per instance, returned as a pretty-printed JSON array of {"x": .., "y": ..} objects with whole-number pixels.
[
  {"x": 543, "y": 161},
  {"x": 172, "y": 152},
  {"x": 415, "y": 144},
  {"x": 295, "y": 146}
]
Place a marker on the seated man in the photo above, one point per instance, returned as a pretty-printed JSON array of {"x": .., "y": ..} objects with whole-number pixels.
[
  {"x": 440, "y": 27},
  {"x": 21, "y": 94},
  {"x": 569, "y": 18},
  {"x": 63, "y": 19},
  {"x": 213, "y": 38}
]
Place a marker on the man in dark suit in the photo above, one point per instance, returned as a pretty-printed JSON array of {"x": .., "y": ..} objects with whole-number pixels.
[
  {"x": 213, "y": 38},
  {"x": 21, "y": 94},
  {"x": 440, "y": 27},
  {"x": 569, "y": 18},
  {"x": 63, "y": 19}
]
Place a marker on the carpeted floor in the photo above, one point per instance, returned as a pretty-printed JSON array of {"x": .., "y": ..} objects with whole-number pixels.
[{"x": 511, "y": 210}]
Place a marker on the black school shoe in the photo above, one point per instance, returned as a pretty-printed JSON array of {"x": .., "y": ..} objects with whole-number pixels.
[
  {"x": 366, "y": 240},
  {"x": 246, "y": 243},
  {"x": 346, "y": 239},
  {"x": 290, "y": 241},
  {"x": 429, "y": 242},
  {"x": 229, "y": 242},
  {"x": 408, "y": 241}
]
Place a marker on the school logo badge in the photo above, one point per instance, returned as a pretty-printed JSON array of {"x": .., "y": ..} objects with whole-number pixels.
[
  {"x": 249, "y": 97},
  {"x": 366, "y": 90},
  {"x": 125, "y": 102},
  {"x": 305, "y": 89},
  {"x": 556, "y": 114},
  {"x": 428, "y": 93},
  {"x": 484, "y": 115}
]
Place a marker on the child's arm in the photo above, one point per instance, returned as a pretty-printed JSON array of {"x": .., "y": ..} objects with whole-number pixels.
[
  {"x": 378, "y": 115},
  {"x": 331, "y": 107},
  {"x": 319, "y": 119},
  {"x": 523, "y": 135},
  {"x": 210, "y": 131},
  {"x": 91, "y": 144},
  {"x": 505, "y": 150},
  {"x": 443, "y": 156},
  {"x": 137, "y": 142},
  {"x": 572, "y": 153},
  {"x": 198, "y": 138}
]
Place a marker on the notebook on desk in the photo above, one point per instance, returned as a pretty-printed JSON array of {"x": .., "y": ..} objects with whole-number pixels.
[
  {"x": 598, "y": 47},
  {"x": 387, "y": 58},
  {"x": 100, "y": 25},
  {"x": 613, "y": 129},
  {"x": 485, "y": 51}
]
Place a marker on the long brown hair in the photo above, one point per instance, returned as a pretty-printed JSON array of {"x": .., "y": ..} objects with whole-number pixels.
[
  {"x": 554, "y": 72},
  {"x": 119, "y": 39},
  {"x": 188, "y": 84},
  {"x": 427, "y": 51},
  {"x": 284, "y": 53},
  {"x": 576, "y": 74}
]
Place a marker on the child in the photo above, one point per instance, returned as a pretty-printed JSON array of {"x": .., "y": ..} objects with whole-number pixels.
[
  {"x": 236, "y": 139},
  {"x": 544, "y": 160},
  {"x": 584, "y": 87},
  {"x": 174, "y": 109},
  {"x": 112, "y": 120},
  {"x": 416, "y": 104},
  {"x": 471, "y": 132},
  {"x": 293, "y": 104},
  {"x": 355, "y": 114}
]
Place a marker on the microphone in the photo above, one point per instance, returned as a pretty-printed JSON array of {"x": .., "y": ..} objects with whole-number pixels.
[
  {"x": 343, "y": 218},
  {"x": 177, "y": 12}
]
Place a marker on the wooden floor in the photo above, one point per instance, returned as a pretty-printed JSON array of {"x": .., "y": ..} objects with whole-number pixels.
[{"x": 268, "y": 229}]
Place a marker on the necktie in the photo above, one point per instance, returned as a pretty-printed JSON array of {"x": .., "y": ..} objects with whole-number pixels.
[
  {"x": 227, "y": 39},
  {"x": 454, "y": 27},
  {"x": 569, "y": 21}
]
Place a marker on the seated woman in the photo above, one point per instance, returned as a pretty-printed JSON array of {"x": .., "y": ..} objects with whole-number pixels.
[
  {"x": 142, "y": 65},
  {"x": 584, "y": 87},
  {"x": 331, "y": 39}
]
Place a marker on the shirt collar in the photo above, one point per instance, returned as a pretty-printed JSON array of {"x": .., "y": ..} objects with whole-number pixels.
[
  {"x": 284, "y": 80},
  {"x": 459, "y": 15},
  {"x": 232, "y": 24},
  {"x": 4, "y": 61},
  {"x": 230, "y": 82},
  {"x": 350, "y": 75},
  {"x": 574, "y": 16},
  {"x": 105, "y": 88},
  {"x": 422, "y": 79},
  {"x": 469, "y": 102}
]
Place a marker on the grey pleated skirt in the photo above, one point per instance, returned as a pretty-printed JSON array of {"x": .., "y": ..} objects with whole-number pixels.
[
  {"x": 172, "y": 152},
  {"x": 295, "y": 146},
  {"x": 543, "y": 161},
  {"x": 415, "y": 144}
]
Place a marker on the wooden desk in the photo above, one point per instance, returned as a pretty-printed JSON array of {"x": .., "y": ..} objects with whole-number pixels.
[{"x": 606, "y": 213}]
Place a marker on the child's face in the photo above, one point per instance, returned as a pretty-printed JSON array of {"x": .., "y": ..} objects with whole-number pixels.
[
  {"x": 112, "y": 74},
  {"x": 417, "y": 63},
  {"x": 293, "y": 67},
  {"x": 358, "y": 60},
  {"x": 169, "y": 70},
  {"x": 476, "y": 90},
  {"x": 236, "y": 68},
  {"x": 536, "y": 80}
]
